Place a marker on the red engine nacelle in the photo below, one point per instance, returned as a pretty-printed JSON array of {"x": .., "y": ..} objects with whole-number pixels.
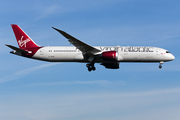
[{"x": 110, "y": 55}]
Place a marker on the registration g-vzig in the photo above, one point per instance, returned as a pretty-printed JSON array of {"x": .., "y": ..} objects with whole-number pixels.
[{"x": 110, "y": 57}]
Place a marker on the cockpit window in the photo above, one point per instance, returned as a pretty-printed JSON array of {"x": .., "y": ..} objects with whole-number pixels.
[{"x": 167, "y": 52}]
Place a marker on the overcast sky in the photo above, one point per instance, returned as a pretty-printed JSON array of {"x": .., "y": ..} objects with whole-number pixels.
[{"x": 38, "y": 90}]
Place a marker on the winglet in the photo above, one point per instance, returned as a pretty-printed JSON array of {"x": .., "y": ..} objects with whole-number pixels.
[{"x": 69, "y": 37}]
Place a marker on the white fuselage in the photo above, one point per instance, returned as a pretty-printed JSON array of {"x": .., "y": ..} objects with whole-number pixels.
[{"x": 125, "y": 54}]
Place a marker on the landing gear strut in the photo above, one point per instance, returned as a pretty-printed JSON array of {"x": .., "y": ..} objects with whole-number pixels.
[
  {"x": 90, "y": 67},
  {"x": 160, "y": 64}
]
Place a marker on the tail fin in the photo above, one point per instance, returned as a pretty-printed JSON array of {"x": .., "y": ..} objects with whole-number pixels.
[{"x": 23, "y": 40}]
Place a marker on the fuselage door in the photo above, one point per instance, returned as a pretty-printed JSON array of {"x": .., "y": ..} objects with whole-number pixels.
[
  {"x": 158, "y": 52},
  {"x": 41, "y": 51}
]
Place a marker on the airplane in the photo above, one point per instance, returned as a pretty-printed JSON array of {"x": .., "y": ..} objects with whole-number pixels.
[{"x": 108, "y": 56}]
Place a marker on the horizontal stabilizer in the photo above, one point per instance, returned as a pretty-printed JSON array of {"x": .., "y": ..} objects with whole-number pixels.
[{"x": 16, "y": 49}]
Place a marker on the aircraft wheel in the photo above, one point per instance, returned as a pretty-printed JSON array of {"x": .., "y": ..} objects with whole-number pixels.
[
  {"x": 87, "y": 65},
  {"x": 89, "y": 69},
  {"x": 160, "y": 66}
]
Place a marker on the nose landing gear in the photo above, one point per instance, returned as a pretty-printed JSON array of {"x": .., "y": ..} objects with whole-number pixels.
[
  {"x": 160, "y": 64},
  {"x": 90, "y": 67}
]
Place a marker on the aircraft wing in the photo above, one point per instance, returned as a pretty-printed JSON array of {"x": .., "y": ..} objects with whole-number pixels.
[
  {"x": 17, "y": 49},
  {"x": 83, "y": 47}
]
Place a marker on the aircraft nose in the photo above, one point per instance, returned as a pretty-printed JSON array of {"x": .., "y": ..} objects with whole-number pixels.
[{"x": 172, "y": 57}]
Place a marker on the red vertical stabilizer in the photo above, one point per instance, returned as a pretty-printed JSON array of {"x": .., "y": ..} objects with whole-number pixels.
[{"x": 23, "y": 40}]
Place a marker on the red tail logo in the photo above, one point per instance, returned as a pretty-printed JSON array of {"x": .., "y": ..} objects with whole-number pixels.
[{"x": 23, "y": 40}]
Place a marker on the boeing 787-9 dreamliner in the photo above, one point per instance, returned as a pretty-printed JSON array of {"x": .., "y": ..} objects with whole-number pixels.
[{"x": 110, "y": 57}]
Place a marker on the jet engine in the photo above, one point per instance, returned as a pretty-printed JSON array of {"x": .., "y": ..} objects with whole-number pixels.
[
  {"x": 111, "y": 65},
  {"x": 110, "y": 55}
]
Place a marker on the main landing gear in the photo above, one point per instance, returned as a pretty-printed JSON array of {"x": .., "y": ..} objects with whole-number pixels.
[
  {"x": 90, "y": 67},
  {"x": 160, "y": 64}
]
